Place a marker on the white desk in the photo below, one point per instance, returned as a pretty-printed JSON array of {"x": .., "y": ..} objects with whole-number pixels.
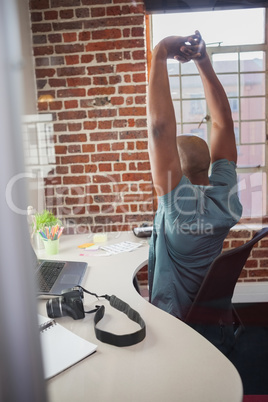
[{"x": 173, "y": 363}]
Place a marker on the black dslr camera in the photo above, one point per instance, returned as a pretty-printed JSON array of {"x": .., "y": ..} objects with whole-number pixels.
[{"x": 69, "y": 303}]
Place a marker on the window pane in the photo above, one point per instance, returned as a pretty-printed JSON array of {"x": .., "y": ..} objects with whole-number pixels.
[
  {"x": 251, "y": 155},
  {"x": 228, "y": 27},
  {"x": 252, "y": 61},
  {"x": 194, "y": 110},
  {"x": 177, "y": 109},
  {"x": 174, "y": 83},
  {"x": 252, "y": 84},
  {"x": 193, "y": 129},
  {"x": 173, "y": 67},
  {"x": 252, "y": 108},
  {"x": 234, "y": 105},
  {"x": 191, "y": 86},
  {"x": 252, "y": 131},
  {"x": 252, "y": 193},
  {"x": 189, "y": 68},
  {"x": 229, "y": 83},
  {"x": 225, "y": 62}
]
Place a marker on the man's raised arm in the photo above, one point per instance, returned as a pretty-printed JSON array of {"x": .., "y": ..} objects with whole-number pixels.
[
  {"x": 222, "y": 133},
  {"x": 164, "y": 158}
]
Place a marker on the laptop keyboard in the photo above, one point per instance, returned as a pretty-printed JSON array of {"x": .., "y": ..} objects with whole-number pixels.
[{"x": 47, "y": 275}]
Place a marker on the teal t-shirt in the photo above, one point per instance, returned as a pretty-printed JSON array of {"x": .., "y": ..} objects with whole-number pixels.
[{"x": 189, "y": 228}]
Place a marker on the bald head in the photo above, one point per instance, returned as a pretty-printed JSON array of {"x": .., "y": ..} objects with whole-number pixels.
[{"x": 194, "y": 156}]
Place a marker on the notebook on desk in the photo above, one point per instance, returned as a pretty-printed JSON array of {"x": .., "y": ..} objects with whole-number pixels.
[{"x": 53, "y": 276}]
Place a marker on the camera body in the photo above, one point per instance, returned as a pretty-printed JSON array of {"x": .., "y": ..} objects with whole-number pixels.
[{"x": 70, "y": 303}]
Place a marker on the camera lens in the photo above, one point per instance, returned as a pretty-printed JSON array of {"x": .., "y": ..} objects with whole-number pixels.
[{"x": 54, "y": 307}]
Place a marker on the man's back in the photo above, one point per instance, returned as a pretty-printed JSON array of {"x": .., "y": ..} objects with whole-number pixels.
[{"x": 189, "y": 228}]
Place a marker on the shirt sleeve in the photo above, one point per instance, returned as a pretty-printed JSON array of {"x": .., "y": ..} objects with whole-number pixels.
[{"x": 223, "y": 172}]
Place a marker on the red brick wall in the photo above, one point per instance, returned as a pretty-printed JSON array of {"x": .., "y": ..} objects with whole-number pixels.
[
  {"x": 90, "y": 56},
  {"x": 256, "y": 268}
]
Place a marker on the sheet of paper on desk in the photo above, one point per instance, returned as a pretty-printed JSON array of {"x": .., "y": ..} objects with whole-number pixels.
[
  {"x": 121, "y": 247},
  {"x": 61, "y": 348}
]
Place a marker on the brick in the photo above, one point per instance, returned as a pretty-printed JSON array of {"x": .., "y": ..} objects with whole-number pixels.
[
  {"x": 74, "y": 126},
  {"x": 90, "y": 125},
  {"x": 126, "y": 32},
  {"x": 96, "y": 70},
  {"x": 66, "y": 14},
  {"x": 87, "y": 58},
  {"x": 132, "y": 111},
  {"x": 57, "y": 82},
  {"x": 73, "y": 138},
  {"x": 251, "y": 263},
  {"x": 127, "y": 67},
  {"x": 60, "y": 149},
  {"x": 44, "y": 27},
  {"x": 103, "y": 147},
  {"x": 138, "y": 55},
  {"x": 105, "y": 157},
  {"x": 114, "y": 178},
  {"x": 65, "y": 3},
  {"x": 106, "y": 34},
  {"x": 36, "y": 16},
  {"x": 101, "y": 58},
  {"x": 77, "y": 169},
  {"x": 95, "y": 2},
  {"x": 39, "y": 4},
  {"x": 258, "y": 273},
  {"x": 72, "y": 115},
  {"x": 239, "y": 234},
  {"x": 73, "y": 25},
  {"x": 45, "y": 72},
  {"x": 105, "y": 167},
  {"x": 76, "y": 48},
  {"x": 75, "y": 180},
  {"x": 78, "y": 81},
  {"x": 82, "y": 13},
  {"x": 70, "y": 71},
  {"x": 104, "y": 125},
  {"x": 55, "y": 105},
  {"x": 97, "y": 12},
  {"x": 39, "y": 39},
  {"x": 72, "y": 104},
  {"x": 136, "y": 176},
  {"x": 113, "y": 10},
  {"x": 51, "y": 15},
  {"x": 99, "y": 113},
  {"x": 71, "y": 92},
  {"x": 43, "y": 50},
  {"x": 90, "y": 168},
  {"x": 103, "y": 136},
  {"x": 132, "y": 89},
  {"x": 84, "y": 36},
  {"x": 42, "y": 62},
  {"x": 133, "y": 134},
  {"x": 259, "y": 253},
  {"x": 139, "y": 77}
]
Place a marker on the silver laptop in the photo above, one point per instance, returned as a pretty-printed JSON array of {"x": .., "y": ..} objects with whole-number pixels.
[{"x": 52, "y": 277}]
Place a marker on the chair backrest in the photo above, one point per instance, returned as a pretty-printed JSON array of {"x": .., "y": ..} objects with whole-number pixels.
[{"x": 213, "y": 300}]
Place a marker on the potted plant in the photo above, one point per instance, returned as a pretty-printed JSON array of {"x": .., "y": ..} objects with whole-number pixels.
[{"x": 42, "y": 226}]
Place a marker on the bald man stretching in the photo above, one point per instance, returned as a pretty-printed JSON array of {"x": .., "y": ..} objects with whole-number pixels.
[{"x": 195, "y": 210}]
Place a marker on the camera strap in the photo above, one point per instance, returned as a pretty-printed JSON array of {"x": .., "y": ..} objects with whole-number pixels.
[{"x": 109, "y": 337}]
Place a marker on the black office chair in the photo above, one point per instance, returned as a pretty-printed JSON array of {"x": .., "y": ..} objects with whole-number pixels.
[{"x": 212, "y": 313}]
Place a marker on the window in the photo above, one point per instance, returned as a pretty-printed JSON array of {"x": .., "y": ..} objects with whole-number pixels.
[{"x": 238, "y": 55}]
